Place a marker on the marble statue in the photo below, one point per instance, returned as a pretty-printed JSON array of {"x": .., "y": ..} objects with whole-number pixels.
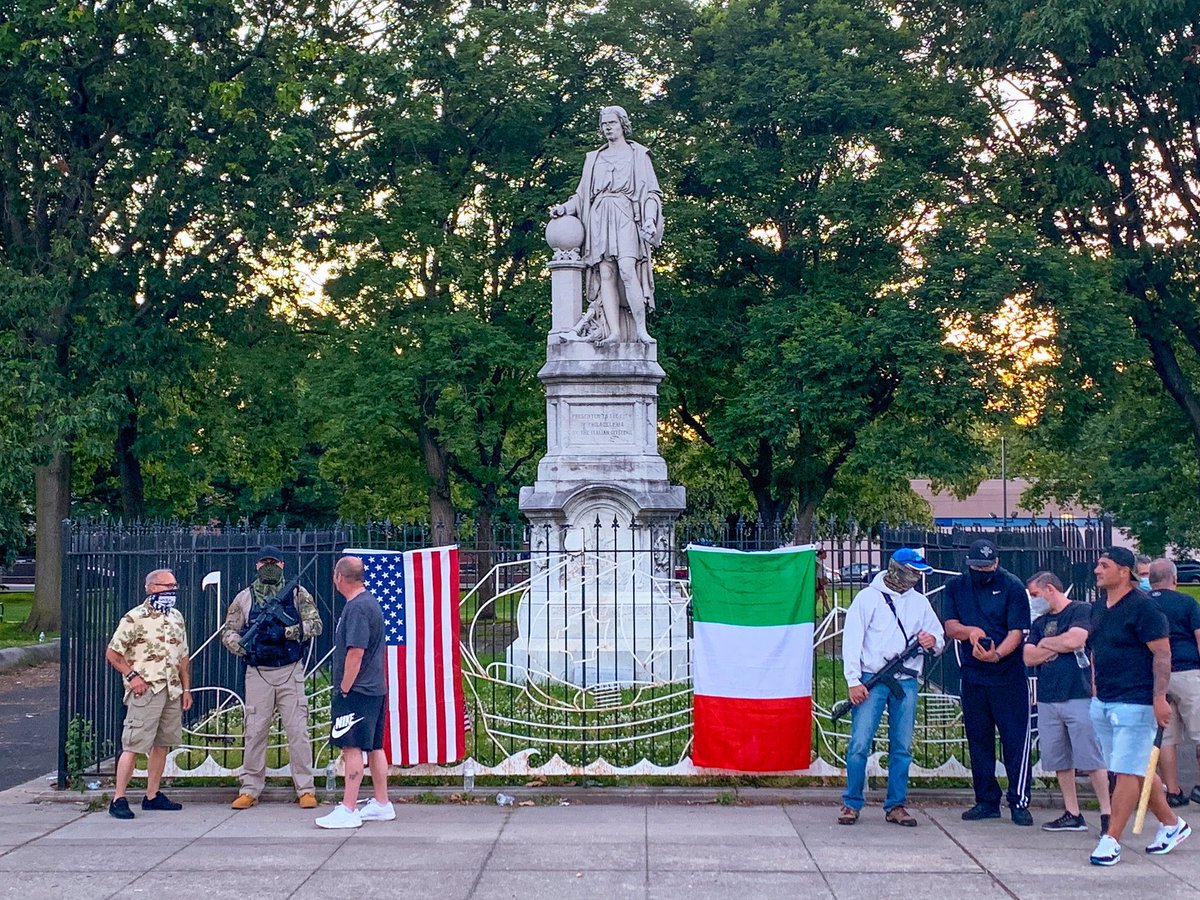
[{"x": 619, "y": 204}]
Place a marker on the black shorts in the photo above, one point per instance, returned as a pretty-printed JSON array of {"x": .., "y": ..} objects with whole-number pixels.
[{"x": 357, "y": 721}]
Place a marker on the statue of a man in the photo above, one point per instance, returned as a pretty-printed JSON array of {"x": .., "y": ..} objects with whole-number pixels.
[{"x": 620, "y": 204}]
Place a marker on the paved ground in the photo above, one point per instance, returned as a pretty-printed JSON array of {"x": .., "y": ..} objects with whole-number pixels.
[
  {"x": 28, "y": 723},
  {"x": 53, "y": 850}
]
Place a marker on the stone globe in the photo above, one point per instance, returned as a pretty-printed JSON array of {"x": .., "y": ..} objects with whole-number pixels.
[{"x": 564, "y": 233}]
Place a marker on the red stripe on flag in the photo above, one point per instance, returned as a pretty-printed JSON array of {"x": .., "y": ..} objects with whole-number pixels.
[
  {"x": 388, "y": 678},
  {"x": 457, "y": 723},
  {"x": 752, "y": 735},
  {"x": 417, "y": 618},
  {"x": 439, "y": 658},
  {"x": 405, "y": 758}
]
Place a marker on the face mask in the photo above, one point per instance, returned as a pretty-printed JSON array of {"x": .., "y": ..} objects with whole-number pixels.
[
  {"x": 982, "y": 579},
  {"x": 900, "y": 578},
  {"x": 164, "y": 602},
  {"x": 1144, "y": 584},
  {"x": 270, "y": 573}
]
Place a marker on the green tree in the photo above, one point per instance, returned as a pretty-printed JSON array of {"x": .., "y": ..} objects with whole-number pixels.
[
  {"x": 153, "y": 160},
  {"x": 474, "y": 123},
  {"x": 805, "y": 346},
  {"x": 1087, "y": 200}
]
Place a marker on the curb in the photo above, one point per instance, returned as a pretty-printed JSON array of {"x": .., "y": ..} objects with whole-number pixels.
[
  {"x": 29, "y": 655},
  {"x": 36, "y": 792}
]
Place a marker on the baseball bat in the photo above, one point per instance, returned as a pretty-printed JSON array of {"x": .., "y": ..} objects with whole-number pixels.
[{"x": 1148, "y": 783}]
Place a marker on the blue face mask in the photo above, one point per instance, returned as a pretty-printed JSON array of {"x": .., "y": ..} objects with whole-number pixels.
[{"x": 1144, "y": 583}]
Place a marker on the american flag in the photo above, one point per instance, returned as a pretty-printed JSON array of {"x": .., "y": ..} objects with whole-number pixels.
[{"x": 418, "y": 593}]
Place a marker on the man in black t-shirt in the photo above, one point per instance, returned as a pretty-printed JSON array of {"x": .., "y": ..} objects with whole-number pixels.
[
  {"x": 358, "y": 695},
  {"x": 1055, "y": 650},
  {"x": 987, "y": 613},
  {"x": 1183, "y": 620},
  {"x": 1131, "y": 658}
]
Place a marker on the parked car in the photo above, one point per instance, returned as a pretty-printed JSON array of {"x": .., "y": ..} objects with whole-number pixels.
[
  {"x": 853, "y": 573},
  {"x": 1189, "y": 571}
]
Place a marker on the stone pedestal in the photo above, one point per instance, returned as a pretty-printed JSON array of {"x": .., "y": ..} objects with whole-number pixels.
[{"x": 602, "y": 606}]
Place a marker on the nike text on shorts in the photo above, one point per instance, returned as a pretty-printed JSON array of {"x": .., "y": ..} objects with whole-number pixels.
[{"x": 357, "y": 721}]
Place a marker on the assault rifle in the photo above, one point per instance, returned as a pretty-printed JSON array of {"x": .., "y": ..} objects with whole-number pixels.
[
  {"x": 272, "y": 612},
  {"x": 886, "y": 676}
]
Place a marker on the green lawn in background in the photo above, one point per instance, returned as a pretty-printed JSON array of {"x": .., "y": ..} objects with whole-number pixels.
[
  {"x": 16, "y": 607},
  {"x": 1192, "y": 590}
]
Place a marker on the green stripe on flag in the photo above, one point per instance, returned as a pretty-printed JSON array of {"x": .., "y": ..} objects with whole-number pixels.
[{"x": 734, "y": 588}]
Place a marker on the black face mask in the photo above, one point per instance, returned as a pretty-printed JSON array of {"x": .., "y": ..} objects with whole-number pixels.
[
  {"x": 270, "y": 573},
  {"x": 163, "y": 603},
  {"x": 982, "y": 579}
]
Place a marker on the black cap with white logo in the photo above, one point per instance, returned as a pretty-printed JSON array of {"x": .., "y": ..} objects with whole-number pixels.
[{"x": 982, "y": 553}]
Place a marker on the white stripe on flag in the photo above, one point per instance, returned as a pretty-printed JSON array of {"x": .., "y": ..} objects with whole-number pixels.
[
  {"x": 393, "y": 704},
  {"x": 752, "y": 662},
  {"x": 410, "y": 660},
  {"x": 449, "y": 609}
]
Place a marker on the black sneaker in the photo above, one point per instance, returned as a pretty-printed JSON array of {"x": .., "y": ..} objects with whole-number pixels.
[
  {"x": 981, "y": 811},
  {"x": 1195, "y": 796},
  {"x": 160, "y": 801},
  {"x": 1177, "y": 800},
  {"x": 1066, "y": 822},
  {"x": 1022, "y": 816},
  {"x": 1104, "y": 819},
  {"x": 119, "y": 809}
]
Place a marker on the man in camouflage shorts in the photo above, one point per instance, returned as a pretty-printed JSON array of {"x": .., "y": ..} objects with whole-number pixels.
[{"x": 150, "y": 650}]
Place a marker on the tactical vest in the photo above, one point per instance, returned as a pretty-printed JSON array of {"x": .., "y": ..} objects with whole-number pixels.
[{"x": 271, "y": 649}]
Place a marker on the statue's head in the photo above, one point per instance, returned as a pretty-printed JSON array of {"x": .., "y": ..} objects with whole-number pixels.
[{"x": 621, "y": 116}]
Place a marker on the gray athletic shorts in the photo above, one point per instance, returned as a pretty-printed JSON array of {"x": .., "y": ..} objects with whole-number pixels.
[{"x": 1067, "y": 738}]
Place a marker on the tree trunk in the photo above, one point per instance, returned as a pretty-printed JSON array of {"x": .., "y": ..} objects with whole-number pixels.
[
  {"x": 441, "y": 507},
  {"x": 485, "y": 556},
  {"x": 803, "y": 530},
  {"x": 52, "y": 486},
  {"x": 129, "y": 468}
]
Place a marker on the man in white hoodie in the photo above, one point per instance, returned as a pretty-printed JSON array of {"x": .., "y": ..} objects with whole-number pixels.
[{"x": 882, "y": 619}]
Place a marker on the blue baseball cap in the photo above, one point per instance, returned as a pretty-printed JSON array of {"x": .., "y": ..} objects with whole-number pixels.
[{"x": 912, "y": 558}]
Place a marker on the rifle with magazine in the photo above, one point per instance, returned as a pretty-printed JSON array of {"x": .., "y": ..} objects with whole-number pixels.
[{"x": 887, "y": 676}]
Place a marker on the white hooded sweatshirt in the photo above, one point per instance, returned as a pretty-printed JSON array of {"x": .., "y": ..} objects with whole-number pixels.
[{"x": 872, "y": 637}]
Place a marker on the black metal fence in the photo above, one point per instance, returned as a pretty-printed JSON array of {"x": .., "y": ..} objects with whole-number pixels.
[{"x": 104, "y": 567}]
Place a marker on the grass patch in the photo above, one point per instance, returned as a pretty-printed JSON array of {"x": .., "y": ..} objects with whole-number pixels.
[{"x": 16, "y": 610}]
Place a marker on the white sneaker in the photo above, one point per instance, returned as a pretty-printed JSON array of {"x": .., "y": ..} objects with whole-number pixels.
[
  {"x": 341, "y": 818},
  {"x": 374, "y": 811},
  {"x": 1107, "y": 852},
  {"x": 1168, "y": 837}
]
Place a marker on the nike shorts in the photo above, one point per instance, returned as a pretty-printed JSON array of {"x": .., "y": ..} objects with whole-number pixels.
[{"x": 357, "y": 721}]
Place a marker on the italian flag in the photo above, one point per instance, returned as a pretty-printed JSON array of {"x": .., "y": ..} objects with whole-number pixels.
[{"x": 752, "y": 658}]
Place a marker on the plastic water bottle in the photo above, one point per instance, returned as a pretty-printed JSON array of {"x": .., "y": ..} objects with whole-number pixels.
[
  {"x": 330, "y": 777},
  {"x": 469, "y": 776},
  {"x": 41, "y": 637},
  {"x": 1081, "y": 658}
]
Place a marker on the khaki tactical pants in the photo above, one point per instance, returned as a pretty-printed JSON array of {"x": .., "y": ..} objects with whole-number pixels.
[{"x": 268, "y": 690}]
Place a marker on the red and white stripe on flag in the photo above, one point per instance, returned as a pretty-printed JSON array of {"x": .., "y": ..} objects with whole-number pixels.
[{"x": 418, "y": 592}]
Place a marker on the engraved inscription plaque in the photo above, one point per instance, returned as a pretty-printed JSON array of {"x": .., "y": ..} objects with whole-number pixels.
[{"x": 610, "y": 423}]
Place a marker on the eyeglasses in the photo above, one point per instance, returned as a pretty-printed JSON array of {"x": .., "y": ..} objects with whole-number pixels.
[{"x": 172, "y": 585}]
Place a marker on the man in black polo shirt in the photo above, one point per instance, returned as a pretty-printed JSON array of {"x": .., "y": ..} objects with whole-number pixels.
[
  {"x": 987, "y": 613},
  {"x": 1131, "y": 668},
  {"x": 1183, "y": 620}
]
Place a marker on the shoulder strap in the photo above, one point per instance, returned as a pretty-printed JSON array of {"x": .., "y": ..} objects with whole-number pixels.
[{"x": 887, "y": 598}]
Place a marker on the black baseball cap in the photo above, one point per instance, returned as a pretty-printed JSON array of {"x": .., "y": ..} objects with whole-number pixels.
[
  {"x": 269, "y": 552},
  {"x": 982, "y": 553},
  {"x": 1122, "y": 556}
]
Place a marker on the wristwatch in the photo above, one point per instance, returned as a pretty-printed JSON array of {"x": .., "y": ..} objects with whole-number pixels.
[{"x": 132, "y": 674}]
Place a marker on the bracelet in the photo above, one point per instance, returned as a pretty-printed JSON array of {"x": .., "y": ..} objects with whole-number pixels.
[{"x": 132, "y": 674}]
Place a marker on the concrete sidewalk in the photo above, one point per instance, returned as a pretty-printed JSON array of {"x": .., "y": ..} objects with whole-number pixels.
[{"x": 51, "y": 850}]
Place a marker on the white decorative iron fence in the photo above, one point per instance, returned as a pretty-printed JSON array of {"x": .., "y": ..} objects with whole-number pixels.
[{"x": 615, "y": 701}]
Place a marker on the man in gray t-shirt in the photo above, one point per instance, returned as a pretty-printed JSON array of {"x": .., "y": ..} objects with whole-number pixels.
[{"x": 359, "y": 694}]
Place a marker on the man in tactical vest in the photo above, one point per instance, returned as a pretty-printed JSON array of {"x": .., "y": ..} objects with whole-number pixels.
[{"x": 274, "y": 661}]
